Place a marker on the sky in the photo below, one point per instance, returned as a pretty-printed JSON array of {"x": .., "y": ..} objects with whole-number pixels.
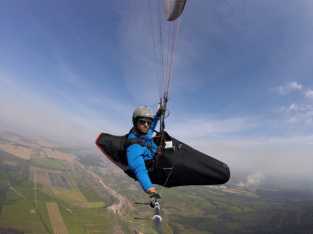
[{"x": 242, "y": 87}]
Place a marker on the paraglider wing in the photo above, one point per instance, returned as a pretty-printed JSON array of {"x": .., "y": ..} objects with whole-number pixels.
[{"x": 174, "y": 8}]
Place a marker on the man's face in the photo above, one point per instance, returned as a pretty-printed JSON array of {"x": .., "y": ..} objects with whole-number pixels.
[{"x": 143, "y": 125}]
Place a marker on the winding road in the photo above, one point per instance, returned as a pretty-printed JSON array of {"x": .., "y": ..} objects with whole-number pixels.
[{"x": 122, "y": 206}]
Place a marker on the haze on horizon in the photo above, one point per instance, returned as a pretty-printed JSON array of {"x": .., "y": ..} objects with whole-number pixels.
[{"x": 242, "y": 88}]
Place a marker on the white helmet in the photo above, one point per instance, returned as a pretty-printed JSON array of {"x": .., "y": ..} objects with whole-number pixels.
[{"x": 142, "y": 112}]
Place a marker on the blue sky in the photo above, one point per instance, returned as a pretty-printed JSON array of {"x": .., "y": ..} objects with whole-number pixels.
[{"x": 242, "y": 86}]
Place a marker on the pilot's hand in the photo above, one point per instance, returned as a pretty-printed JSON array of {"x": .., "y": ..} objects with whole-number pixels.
[{"x": 155, "y": 198}]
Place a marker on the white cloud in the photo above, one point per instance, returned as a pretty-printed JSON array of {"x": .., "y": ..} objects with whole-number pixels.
[
  {"x": 255, "y": 179},
  {"x": 293, "y": 107},
  {"x": 294, "y": 87},
  {"x": 309, "y": 93},
  {"x": 289, "y": 88},
  {"x": 299, "y": 114},
  {"x": 201, "y": 126},
  {"x": 26, "y": 112},
  {"x": 284, "y": 156}
]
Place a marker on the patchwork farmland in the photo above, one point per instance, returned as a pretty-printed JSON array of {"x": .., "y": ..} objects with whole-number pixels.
[{"x": 43, "y": 192}]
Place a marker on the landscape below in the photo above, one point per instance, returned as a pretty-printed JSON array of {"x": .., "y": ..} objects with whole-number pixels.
[{"x": 48, "y": 189}]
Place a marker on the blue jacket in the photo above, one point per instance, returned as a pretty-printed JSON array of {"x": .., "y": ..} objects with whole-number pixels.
[{"x": 137, "y": 154}]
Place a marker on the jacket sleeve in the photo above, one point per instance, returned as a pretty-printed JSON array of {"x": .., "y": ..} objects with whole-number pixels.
[{"x": 137, "y": 165}]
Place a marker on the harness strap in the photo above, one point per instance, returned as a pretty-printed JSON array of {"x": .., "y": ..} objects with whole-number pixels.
[{"x": 141, "y": 142}]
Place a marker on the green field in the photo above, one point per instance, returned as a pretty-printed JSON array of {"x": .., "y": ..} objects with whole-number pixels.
[
  {"x": 19, "y": 212},
  {"x": 23, "y": 205},
  {"x": 26, "y": 214}
]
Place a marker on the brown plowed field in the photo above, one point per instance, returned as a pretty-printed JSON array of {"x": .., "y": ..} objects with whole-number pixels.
[
  {"x": 56, "y": 219},
  {"x": 52, "y": 153},
  {"x": 18, "y": 151}
]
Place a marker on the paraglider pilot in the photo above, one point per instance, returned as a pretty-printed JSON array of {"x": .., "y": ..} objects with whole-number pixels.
[{"x": 144, "y": 124}]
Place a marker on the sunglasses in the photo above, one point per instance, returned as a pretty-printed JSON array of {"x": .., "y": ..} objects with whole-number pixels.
[{"x": 144, "y": 121}]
